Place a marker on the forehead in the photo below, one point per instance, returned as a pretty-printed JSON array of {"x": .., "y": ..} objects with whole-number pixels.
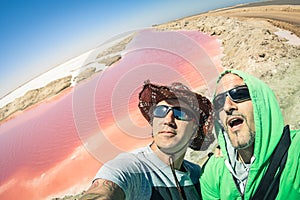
[{"x": 229, "y": 81}]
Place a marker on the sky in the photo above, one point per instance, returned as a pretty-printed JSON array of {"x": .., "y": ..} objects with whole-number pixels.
[{"x": 38, "y": 35}]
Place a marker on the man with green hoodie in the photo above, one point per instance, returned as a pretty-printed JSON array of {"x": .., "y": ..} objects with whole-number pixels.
[{"x": 250, "y": 129}]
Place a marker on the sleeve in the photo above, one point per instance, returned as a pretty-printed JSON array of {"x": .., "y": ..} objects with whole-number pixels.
[
  {"x": 209, "y": 179},
  {"x": 124, "y": 171}
]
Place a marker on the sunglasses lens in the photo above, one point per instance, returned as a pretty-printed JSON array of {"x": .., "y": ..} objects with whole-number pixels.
[
  {"x": 219, "y": 101},
  {"x": 239, "y": 94},
  {"x": 178, "y": 113},
  {"x": 160, "y": 111},
  {"x": 182, "y": 114}
]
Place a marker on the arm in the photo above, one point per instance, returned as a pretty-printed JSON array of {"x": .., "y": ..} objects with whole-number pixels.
[{"x": 103, "y": 189}]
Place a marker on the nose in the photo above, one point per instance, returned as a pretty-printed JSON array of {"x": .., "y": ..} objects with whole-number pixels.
[
  {"x": 229, "y": 105},
  {"x": 169, "y": 119}
]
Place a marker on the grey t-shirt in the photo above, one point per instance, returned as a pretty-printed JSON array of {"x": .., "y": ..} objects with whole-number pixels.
[{"x": 142, "y": 175}]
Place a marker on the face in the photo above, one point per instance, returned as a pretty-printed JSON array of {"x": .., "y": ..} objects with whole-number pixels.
[
  {"x": 173, "y": 135},
  {"x": 236, "y": 116}
]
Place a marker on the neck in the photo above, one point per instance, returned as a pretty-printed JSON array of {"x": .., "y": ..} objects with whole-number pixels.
[
  {"x": 165, "y": 157},
  {"x": 246, "y": 154}
]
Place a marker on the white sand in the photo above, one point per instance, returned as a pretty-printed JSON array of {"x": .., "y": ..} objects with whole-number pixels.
[{"x": 292, "y": 38}]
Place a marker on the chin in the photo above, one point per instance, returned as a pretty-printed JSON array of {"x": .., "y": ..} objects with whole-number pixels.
[{"x": 244, "y": 145}]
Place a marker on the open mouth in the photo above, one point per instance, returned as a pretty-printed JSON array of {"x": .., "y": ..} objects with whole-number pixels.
[{"x": 235, "y": 122}]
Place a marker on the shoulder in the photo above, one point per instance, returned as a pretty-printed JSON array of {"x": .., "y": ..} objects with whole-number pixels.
[
  {"x": 212, "y": 177},
  {"x": 215, "y": 161},
  {"x": 123, "y": 165},
  {"x": 214, "y": 168},
  {"x": 294, "y": 146},
  {"x": 293, "y": 152},
  {"x": 103, "y": 189},
  {"x": 125, "y": 161},
  {"x": 194, "y": 170},
  {"x": 191, "y": 166},
  {"x": 290, "y": 177},
  {"x": 295, "y": 135},
  {"x": 123, "y": 173}
]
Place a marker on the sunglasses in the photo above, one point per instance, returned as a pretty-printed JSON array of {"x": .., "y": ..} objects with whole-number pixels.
[
  {"x": 178, "y": 112},
  {"x": 237, "y": 94}
]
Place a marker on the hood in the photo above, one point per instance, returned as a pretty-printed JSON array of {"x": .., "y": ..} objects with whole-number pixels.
[{"x": 269, "y": 126}]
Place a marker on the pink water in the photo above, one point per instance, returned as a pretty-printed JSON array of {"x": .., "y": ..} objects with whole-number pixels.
[{"x": 56, "y": 148}]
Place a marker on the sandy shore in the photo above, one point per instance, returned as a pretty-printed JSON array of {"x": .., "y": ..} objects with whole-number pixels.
[
  {"x": 283, "y": 16},
  {"x": 257, "y": 40}
]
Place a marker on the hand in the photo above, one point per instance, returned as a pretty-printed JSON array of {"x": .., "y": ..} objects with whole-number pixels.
[{"x": 218, "y": 152}]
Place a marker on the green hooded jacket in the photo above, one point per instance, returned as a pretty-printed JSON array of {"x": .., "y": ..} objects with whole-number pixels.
[{"x": 217, "y": 182}]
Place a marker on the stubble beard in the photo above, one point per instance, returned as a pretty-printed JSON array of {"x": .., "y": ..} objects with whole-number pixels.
[
  {"x": 247, "y": 144},
  {"x": 251, "y": 140}
]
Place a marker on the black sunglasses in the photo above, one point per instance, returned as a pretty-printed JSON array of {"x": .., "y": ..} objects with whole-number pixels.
[
  {"x": 237, "y": 94},
  {"x": 178, "y": 112}
]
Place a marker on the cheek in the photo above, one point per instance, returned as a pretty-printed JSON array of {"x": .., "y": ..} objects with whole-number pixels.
[
  {"x": 248, "y": 108},
  {"x": 155, "y": 125},
  {"x": 188, "y": 130},
  {"x": 157, "y": 121},
  {"x": 251, "y": 120}
]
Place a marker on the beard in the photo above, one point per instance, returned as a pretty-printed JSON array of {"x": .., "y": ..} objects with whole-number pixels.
[
  {"x": 242, "y": 144},
  {"x": 247, "y": 144}
]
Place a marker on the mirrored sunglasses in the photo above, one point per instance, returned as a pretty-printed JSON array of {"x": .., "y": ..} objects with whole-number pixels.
[
  {"x": 178, "y": 112},
  {"x": 237, "y": 94}
]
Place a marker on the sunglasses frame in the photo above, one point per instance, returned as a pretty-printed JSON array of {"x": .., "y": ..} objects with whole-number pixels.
[
  {"x": 185, "y": 110},
  {"x": 227, "y": 93}
]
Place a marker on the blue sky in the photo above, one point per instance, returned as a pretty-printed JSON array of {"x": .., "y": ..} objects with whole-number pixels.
[{"x": 37, "y": 35}]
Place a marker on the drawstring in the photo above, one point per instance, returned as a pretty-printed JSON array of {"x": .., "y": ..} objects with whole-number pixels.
[{"x": 175, "y": 177}]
